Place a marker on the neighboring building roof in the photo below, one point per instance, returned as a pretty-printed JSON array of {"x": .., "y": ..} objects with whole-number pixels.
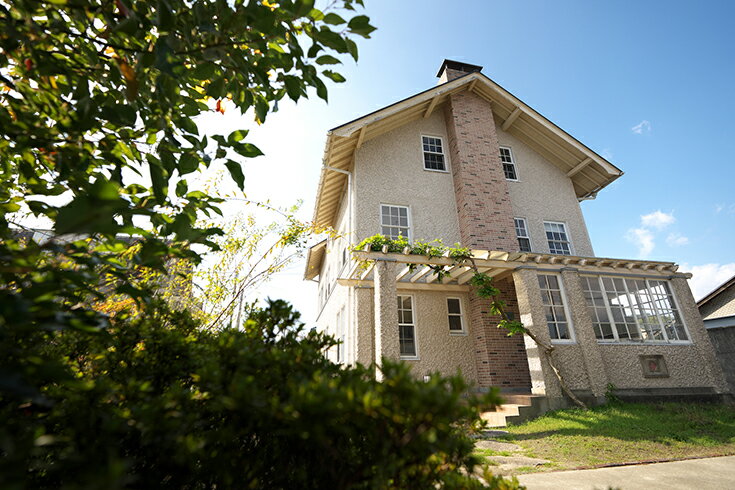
[
  {"x": 720, "y": 303},
  {"x": 589, "y": 171},
  {"x": 314, "y": 259},
  {"x": 719, "y": 289}
]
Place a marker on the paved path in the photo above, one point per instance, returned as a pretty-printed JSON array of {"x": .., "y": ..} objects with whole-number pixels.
[{"x": 699, "y": 474}]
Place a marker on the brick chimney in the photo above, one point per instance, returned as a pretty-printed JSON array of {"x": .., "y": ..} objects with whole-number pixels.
[{"x": 454, "y": 69}]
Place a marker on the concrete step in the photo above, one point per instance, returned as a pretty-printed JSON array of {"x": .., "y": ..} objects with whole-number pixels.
[{"x": 516, "y": 409}]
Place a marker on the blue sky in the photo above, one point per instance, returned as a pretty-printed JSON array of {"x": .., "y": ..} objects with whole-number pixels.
[{"x": 649, "y": 85}]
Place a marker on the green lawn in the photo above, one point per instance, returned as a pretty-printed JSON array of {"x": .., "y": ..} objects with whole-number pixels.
[{"x": 627, "y": 432}]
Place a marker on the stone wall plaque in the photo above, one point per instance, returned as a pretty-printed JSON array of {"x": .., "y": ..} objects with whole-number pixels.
[{"x": 654, "y": 366}]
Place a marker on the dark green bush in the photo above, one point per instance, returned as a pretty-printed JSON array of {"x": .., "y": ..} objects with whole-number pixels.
[{"x": 157, "y": 402}]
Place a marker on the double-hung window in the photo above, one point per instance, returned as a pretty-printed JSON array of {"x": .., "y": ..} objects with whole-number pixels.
[
  {"x": 394, "y": 221},
  {"x": 433, "y": 153},
  {"x": 627, "y": 309},
  {"x": 557, "y": 238},
  {"x": 524, "y": 241},
  {"x": 557, "y": 316},
  {"x": 454, "y": 312},
  {"x": 509, "y": 165},
  {"x": 406, "y": 328}
]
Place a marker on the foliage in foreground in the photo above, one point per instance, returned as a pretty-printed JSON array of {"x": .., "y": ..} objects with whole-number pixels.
[
  {"x": 628, "y": 432},
  {"x": 156, "y": 401}
]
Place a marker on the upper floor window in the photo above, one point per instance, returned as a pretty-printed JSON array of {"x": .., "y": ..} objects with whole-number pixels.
[
  {"x": 557, "y": 317},
  {"x": 454, "y": 311},
  {"x": 394, "y": 221},
  {"x": 633, "y": 310},
  {"x": 556, "y": 236},
  {"x": 524, "y": 241},
  {"x": 509, "y": 166},
  {"x": 406, "y": 327},
  {"x": 433, "y": 153}
]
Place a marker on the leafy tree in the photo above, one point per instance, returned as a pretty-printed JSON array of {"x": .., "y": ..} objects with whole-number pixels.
[{"x": 97, "y": 133}]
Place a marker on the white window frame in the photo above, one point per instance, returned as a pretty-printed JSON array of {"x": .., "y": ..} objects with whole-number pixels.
[
  {"x": 340, "y": 335},
  {"x": 409, "y": 237},
  {"x": 616, "y": 340},
  {"x": 528, "y": 234},
  {"x": 463, "y": 331},
  {"x": 413, "y": 325},
  {"x": 443, "y": 154},
  {"x": 566, "y": 232},
  {"x": 570, "y": 327},
  {"x": 512, "y": 163}
]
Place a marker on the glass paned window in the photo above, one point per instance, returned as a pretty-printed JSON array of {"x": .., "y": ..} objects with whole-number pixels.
[
  {"x": 454, "y": 309},
  {"x": 433, "y": 153},
  {"x": 406, "y": 327},
  {"x": 394, "y": 221},
  {"x": 556, "y": 314},
  {"x": 524, "y": 241},
  {"x": 556, "y": 236},
  {"x": 633, "y": 309},
  {"x": 509, "y": 166}
]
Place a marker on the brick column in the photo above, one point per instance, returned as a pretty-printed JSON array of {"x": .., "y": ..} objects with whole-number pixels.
[
  {"x": 531, "y": 308},
  {"x": 483, "y": 202},
  {"x": 484, "y": 213},
  {"x": 386, "y": 312},
  {"x": 584, "y": 333},
  {"x": 711, "y": 371}
]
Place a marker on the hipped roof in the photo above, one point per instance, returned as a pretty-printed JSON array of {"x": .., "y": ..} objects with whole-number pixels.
[{"x": 588, "y": 171}]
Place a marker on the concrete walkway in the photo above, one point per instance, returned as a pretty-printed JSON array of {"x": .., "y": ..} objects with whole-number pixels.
[{"x": 699, "y": 474}]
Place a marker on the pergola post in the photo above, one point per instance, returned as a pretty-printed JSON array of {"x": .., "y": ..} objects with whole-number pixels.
[{"x": 386, "y": 312}]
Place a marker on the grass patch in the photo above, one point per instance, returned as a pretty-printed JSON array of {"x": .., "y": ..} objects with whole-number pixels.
[{"x": 628, "y": 432}]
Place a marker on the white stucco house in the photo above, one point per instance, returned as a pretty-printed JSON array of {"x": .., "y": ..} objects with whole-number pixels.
[{"x": 468, "y": 162}]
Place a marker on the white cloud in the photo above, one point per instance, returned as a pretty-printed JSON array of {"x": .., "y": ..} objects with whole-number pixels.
[
  {"x": 657, "y": 220},
  {"x": 707, "y": 277},
  {"x": 676, "y": 240},
  {"x": 642, "y": 127},
  {"x": 643, "y": 239},
  {"x": 607, "y": 154}
]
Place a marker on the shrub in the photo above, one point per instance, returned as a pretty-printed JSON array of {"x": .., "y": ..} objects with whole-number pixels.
[{"x": 156, "y": 401}]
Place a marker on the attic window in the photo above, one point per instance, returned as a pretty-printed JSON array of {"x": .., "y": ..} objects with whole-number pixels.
[
  {"x": 433, "y": 153},
  {"x": 509, "y": 166}
]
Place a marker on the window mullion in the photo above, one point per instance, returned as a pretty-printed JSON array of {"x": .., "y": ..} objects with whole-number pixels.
[
  {"x": 632, "y": 310},
  {"x": 609, "y": 310},
  {"x": 659, "y": 317}
]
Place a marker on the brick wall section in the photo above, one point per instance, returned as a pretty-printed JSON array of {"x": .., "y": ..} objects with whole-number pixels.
[
  {"x": 483, "y": 200},
  {"x": 508, "y": 366},
  {"x": 486, "y": 223}
]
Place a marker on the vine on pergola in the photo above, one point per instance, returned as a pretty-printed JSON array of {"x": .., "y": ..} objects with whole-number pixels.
[{"x": 482, "y": 285}]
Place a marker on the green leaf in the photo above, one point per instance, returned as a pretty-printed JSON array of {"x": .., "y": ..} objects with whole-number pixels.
[
  {"x": 360, "y": 25},
  {"x": 333, "y": 19},
  {"x": 336, "y": 77},
  {"x": 237, "y": 135},
  {"x": 247, "y": 150},
  {"x": 236, "y": 173},
  {"x": 188, "y": 163},
  {"x": 351, "y": 48},
  {"x": 293, "y": 87},
  {"x": 328, "y": 60},
  {"x": 321, "y": 89}
]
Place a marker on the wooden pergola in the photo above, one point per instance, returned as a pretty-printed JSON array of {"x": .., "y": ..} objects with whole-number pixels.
[{"x": 418, "y": 271}]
